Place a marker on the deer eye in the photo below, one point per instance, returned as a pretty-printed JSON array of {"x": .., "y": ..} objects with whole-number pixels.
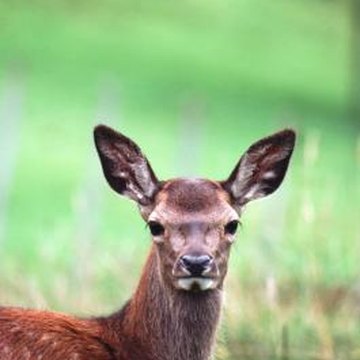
[
  {"x": 156, "y": 228},
  {"x": 231, "y": 227}
]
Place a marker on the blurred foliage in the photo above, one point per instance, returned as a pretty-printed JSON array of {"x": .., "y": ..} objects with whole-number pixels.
[{"x": 194, "y": 83}]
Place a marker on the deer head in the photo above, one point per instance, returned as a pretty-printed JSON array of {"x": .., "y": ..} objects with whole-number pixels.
[{"x": 193, "y": 222}]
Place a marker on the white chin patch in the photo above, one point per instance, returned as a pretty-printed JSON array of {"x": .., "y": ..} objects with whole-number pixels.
[{"x": 196, "y": 283}]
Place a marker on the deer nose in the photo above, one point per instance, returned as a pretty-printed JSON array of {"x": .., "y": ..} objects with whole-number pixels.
[{"x": 196, "y": 264}]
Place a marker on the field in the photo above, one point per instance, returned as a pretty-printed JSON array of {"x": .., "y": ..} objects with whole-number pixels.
[{"x": 194, "y": 83}]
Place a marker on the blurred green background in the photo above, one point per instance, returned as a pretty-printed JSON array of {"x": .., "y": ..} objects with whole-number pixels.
[{"x": 194, "y": 83}]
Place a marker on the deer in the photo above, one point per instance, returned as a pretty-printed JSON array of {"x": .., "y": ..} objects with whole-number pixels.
[{"x": 176, "y": 308}]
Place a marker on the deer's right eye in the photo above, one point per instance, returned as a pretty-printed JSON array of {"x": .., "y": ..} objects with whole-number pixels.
[{"x": 156, "y": 228}]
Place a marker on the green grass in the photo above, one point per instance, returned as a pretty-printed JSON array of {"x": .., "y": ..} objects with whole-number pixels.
[{"x": 241, "y": 70}]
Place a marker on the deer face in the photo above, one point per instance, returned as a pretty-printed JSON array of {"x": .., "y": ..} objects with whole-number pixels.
[
  {"x": 193, "y": 225},
  {"x": 193, "y": 222}
]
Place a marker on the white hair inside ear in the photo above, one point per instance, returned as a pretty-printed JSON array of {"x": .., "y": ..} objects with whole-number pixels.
[{"x": 262, "y": 168}]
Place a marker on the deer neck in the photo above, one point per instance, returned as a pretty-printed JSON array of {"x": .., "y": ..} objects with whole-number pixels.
[{"x": 173, "y": 324}]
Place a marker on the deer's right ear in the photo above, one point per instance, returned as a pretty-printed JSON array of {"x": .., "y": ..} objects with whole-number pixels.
[{"x": 125, "y": 167}]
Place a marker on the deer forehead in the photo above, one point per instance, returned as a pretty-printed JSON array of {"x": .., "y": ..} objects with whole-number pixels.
[{"x": 182, "y": 201}]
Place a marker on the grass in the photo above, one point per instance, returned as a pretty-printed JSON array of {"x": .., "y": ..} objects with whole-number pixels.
[{"x": 240, "y": 70}]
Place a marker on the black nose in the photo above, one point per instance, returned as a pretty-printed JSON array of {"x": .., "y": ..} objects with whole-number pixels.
[{"x": 196, "y": 264}]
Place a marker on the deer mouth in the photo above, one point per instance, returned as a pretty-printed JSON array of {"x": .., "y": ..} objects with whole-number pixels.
[{"x": 200, "y": 283}]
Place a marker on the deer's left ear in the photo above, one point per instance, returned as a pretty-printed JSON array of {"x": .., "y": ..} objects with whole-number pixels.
[{"x": 261, "y": 169}]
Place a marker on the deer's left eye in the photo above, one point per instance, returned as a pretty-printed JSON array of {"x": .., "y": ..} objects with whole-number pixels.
[{"x": 231, "y": 227}]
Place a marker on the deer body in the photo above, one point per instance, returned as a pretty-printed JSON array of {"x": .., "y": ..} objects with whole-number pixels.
[
  {"x": 152, "y": 325},
  {"x": 175, "y": 310}
]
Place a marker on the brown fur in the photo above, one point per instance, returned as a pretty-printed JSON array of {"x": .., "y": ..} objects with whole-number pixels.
[
  {"x": 30, "y": 334},
  {"x": 175, "y": 311},
  {"x": 172, "y": 324},
  {"x": 158, "y": 323},
  {"x": 193, "y": 195},
  {"x": 151, "y": 326}
]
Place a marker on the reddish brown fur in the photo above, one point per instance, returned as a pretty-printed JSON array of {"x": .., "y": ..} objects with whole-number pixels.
[
  {"x": 158, "y": 323},
  {"x": 184, "y": 194},
  {"x": 174, "y": 312},
  {"x": 40, "y": 334},
  {"x": 145, "y": 329}
]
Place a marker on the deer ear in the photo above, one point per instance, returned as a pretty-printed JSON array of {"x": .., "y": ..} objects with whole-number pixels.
[
  {"x": 261, "y": 169},
  {"x": 125, "y": 167}
]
